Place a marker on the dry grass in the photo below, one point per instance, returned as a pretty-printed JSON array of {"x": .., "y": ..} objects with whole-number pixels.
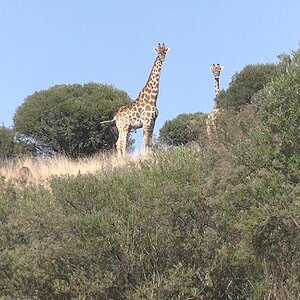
[{"x": 38, "y": 170}]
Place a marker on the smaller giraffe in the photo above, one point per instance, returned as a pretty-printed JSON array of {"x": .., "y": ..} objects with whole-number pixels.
[
  {"x": 142, "y": 112},
  {"x": 211, "y": 125}
]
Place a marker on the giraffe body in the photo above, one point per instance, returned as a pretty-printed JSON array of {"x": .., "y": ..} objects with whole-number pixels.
[
  {"x": 211, "y": 121},
  {"x": 142, "y": 112}
]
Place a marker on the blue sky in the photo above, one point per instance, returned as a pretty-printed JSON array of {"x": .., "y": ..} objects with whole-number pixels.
[{"x": 50, "y": 42}]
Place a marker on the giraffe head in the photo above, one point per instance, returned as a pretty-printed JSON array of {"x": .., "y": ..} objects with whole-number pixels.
[
  {"x": 161, "y": 51},
  {"x": 216, "y": 70}
]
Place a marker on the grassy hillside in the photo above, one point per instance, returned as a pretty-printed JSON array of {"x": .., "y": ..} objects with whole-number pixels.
[
  {"x": 220, "y": 221},
  {"x": 40, "y": 170},
  {"x": 187, "y": 224}
]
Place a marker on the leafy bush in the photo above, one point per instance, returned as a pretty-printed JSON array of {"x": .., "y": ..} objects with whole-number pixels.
[
  {"x": 183, "y": 129},
  {"x": 245, "y": 84},
  {"x": 9, "y": 147},
  {"x": 234, "y": 126},
  {"x": 275, "y": 140}
]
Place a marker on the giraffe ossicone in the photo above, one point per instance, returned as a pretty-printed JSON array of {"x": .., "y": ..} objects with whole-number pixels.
[{"x": 142, "y": 112}]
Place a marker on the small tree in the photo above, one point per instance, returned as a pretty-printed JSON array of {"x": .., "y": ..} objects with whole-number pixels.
[
  {"x": 245, "y": 84},
  {"x": 183, "y": 129},
  {"x": 67, "y": 118}
]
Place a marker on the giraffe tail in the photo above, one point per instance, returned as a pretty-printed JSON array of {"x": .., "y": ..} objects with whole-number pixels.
[{"x": 109, "y": 121}]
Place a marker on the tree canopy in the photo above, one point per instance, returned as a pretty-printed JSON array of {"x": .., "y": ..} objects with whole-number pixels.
[
  {"x": 67, "y": 118},
  {"x": 183, "y": 129},
  {"x": 245, "y": 84}
]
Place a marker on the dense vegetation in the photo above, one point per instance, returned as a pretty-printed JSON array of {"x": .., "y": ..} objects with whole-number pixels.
[
  {"x": 66, "y": 118},
  {"x": 8, "y": 148},
  {"x": 220, "y": 221},
  {"x": 246, "y": 83},
  {"x": 183, "y": 129}
]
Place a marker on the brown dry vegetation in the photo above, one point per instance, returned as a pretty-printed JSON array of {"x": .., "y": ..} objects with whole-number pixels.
[{"x": 39, "y": 170}]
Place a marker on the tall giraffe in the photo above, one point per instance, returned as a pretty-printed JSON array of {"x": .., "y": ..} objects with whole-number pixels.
[
  {"x": 211, "y": 125},
  {"x": 142, "y": 112}
]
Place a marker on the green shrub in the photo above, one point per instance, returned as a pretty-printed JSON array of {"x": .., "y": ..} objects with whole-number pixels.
[
  {"x": 9, "y": 147},
  {"x": 184, "y": 129},
  {"x": 245, "y": 84}
]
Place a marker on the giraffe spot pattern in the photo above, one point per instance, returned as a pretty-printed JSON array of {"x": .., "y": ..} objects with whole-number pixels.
[{"x": 143, "y": 111}]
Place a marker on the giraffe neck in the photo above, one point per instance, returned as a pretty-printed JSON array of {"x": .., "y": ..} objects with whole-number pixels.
[
  {"x": 151, "y": 89},
  {"x": 217, "y": 86}
]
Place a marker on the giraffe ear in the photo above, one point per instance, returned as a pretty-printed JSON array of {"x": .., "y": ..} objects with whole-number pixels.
[
  {"x": 167, "y": 50},
  {"x": 155, "y": 50}
]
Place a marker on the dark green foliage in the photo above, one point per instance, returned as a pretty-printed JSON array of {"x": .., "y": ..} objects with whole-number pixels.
[
  {"x": 66, "y": 118},
  {"x": 235, "y": 126},
  {"x": 245, "y": 84},
  {"x": 275, "y": 140},
  {"x": 185, "y": 128},
  {"x": 9, "y": 147}
]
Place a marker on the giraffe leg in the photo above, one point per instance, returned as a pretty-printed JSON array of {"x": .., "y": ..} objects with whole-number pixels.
[
  {"x": 118, "y": 146},
  {"x": 147, "y": 137},
  {"x": 124, "y": 149},
  {"x": 145, "y": 144},
  {"x": 145, "y": 141},
  {"x": 122, "y": 142}
]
